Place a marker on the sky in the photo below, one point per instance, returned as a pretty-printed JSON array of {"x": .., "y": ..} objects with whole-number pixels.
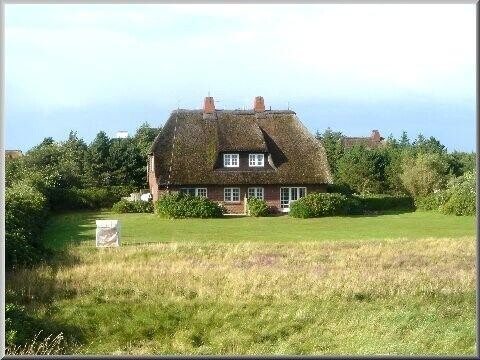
[{"x": 352, "y": 68}]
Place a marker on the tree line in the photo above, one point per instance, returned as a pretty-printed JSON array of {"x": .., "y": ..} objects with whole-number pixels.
[
  {"x": 401, "y": 166},
  {"x": 74, "y": 164},
  {"x": 421, "y": 168}
]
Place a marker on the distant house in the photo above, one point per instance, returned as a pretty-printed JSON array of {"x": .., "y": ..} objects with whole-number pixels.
[
  {"x": 230, "y": 155},
  {"x": 13, "y": 154},
  {"x": 373, "y": 141}
]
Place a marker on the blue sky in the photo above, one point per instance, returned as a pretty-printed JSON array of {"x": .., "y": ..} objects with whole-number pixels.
[{"x": 352, "y": 68}]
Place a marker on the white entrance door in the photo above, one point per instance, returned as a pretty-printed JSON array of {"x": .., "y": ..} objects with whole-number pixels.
[{"x": 290, "y": 194}]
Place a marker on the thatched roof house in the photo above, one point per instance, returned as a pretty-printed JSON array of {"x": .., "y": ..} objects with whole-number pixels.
[
  {"x": 241, "y": 149},
  {"x": 13, "y": 154},
  {"x": 373, "y": 141}
]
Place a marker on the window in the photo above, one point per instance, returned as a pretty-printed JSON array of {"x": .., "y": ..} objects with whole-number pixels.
[
  {"x": 201, "y": 192},
  {"x": 255, "y": 160},
  {"x": 290, "y": 194},
  {"x": 256, "y": 192},
  {"x": 194, "y": 191},
  {"x": 230, "y": 160},
  {"x": 231, "y": 194}
]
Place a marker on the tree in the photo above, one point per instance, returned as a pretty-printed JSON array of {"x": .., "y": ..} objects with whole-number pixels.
[
  {"x": 42, "y": 166},
  {"x": 98, "y": 159},
  {"x": 404, "y": 140},
  {"x": 125, "y": 163},
  {"x": 332, "y": 142},
  {"x": 424, "y": 173},
  {"x": 430, "y": 145},
  {"x": 73, "y": 160},
  {"x": 393, "y": 155},
  {"x": 144, "y": 138},
  {"x": 363, "y": 170},
  {"x": 461, "y": 162}
]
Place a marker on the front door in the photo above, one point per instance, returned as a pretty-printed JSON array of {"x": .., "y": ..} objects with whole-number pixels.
[{"x": 290, "y": 194}]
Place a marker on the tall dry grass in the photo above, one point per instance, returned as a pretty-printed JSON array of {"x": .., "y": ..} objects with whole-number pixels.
[
  {"x": 235, "y": 275},
  {"x": 50, "y": 345},
  {"x": 240, "y": 271}
]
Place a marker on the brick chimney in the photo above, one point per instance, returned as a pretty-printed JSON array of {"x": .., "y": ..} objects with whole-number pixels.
[
  {"x": 208, "y": 105},
  {"x": 259, "y": 104},
  {"x": 375, "y": 135}
]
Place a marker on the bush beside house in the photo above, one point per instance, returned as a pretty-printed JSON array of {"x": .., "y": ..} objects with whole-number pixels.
[
  {"x": 323, "y": 204},
  {"x": 257, "y": 207},
  {"x": 177, "y": 206}
]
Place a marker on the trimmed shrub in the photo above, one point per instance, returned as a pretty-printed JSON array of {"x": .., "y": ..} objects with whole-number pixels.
[
  {"x": 257, "y": 207},
  {"x": 378, "y": 203},
  {"x": 125, "y": 206},
  {"x": 25, "y": 216},
  {"x": 179, "y": 205},
  {"x": 320, "y": 204},
  {"x": 331, "y": 204}
]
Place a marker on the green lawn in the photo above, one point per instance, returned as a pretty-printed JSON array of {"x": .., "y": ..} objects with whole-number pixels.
[
  {"x": 272, "y": 285},
  {"x": 71, "y": 228}
]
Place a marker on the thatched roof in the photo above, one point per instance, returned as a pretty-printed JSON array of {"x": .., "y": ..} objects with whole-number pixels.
[
  {"x": 373, "y": 141},
  {"x": 13, "y": 154},
  {"x": 188, "y": 148}
]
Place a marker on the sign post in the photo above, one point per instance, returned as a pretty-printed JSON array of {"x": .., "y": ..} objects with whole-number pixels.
[{"x": 108, "y": 233}]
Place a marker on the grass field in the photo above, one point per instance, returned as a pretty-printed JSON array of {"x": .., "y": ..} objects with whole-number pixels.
[
  {"x": 79, "y": 228},
  {"x": 387, "y": 284}
]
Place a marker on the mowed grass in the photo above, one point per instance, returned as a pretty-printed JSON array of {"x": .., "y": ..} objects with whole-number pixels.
[
  {"x": 75, "y": 228},
  {"x": 390, "y": 284}
]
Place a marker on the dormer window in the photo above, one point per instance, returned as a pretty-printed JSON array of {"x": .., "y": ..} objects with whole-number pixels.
[
  {"x": 255, "y": 160},
  {"x": 230, "y": 160}
]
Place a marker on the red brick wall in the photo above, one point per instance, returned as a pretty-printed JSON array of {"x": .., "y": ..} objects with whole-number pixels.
[
  {"x": 152, "y": 185},
  {"x": 271, "y": 195}
]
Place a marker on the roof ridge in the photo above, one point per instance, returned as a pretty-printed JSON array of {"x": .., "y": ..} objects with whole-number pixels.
[{"x": 234, "y": 111}]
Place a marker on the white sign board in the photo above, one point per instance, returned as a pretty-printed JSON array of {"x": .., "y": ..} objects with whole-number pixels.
[{"x": 108, "y": 233}]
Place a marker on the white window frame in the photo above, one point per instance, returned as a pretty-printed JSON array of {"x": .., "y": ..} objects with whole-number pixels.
[
  {"x": 256, "y": 160},
  {"x": 257, "y": 192},
  {"x": 199, "y": 190},
  {"x": 231, "y": 160},
  {"x": 293, "y": 191},
  {"x": 230, "y": 197},
  {"x": 195, "y": 190}
]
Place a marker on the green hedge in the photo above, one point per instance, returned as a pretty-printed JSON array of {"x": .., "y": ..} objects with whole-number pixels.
[
  {"x": 378, "y": 203},
  {"x": 331, "y": 204},
  {"x": 25, "y": 215},
  {"x": 257, "y": 207},
  {"x": 179, "y": 205},
  {"x": 125, "y": 206},
  {"x": 89, "y": 198}
]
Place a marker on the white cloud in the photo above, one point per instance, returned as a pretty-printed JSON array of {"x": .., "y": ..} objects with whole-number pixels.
[{"x": 84, "y": 54}]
